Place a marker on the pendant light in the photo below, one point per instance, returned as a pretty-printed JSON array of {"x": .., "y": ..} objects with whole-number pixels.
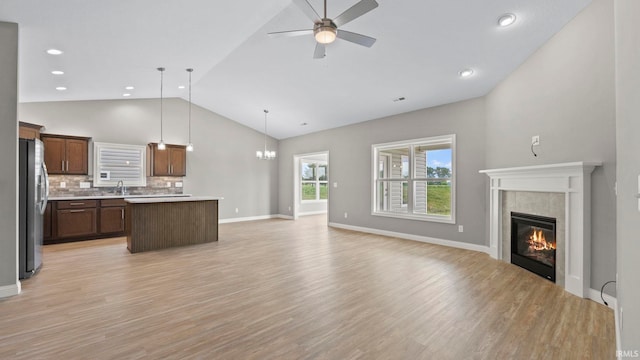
[
  {"x": 190, "y": 144},
  {"x": 161, "y": 145},
  {"x": 266, "y": 154}
]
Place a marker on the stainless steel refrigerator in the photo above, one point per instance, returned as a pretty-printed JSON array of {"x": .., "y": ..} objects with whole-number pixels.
[{"x": 34, "y": 192}]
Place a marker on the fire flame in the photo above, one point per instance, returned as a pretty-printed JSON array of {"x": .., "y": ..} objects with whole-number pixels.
[{"x": 538, "y": 242}]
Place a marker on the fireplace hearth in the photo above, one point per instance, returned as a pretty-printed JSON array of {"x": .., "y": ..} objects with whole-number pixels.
[{"x": 533, "y": 244}]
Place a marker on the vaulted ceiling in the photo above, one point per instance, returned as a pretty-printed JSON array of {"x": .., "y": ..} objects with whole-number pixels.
[{"x": 421, "y": 47}]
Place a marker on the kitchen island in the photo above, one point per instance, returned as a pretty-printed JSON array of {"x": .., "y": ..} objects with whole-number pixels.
[{"x": 159, "y": 223}]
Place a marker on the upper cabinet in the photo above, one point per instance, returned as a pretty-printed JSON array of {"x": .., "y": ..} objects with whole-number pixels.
[
  {"x": 65, "y": 154},
  {"x": 171, "y": 161},
  {"x": 29, "y": 131}
]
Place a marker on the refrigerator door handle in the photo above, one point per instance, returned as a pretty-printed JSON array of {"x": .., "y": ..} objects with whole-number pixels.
[{"x": 45, "y": 198}]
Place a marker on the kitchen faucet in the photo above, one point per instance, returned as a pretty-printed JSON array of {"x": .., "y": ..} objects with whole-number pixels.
[{"x": 120, "y": 186}]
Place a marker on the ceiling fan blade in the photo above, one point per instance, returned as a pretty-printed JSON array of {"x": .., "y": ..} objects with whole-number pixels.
[
  {"x": 357, "y": 10},
  {"x": 320, "y": 51},
  {"x": 291, "y": 33},
  {"x": 356, "y": 38},
  {"x": 308, "y": 10}
]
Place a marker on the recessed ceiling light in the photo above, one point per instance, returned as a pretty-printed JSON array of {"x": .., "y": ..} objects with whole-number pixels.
[
  {"x": 54, "y": 52},
  {"x": 129, "y": 88},
  {"x": 57, "y": 72},
  {"x": 465, "y": 73},
  {"x": 401, "y": 98},
  {"x": 304, "y": 124},
  {"x": 506, "y": 20},
  {"x": 126, "y": 94},
  {"x": 181, "y": 87},
  {"x": 61, "y": 88}
]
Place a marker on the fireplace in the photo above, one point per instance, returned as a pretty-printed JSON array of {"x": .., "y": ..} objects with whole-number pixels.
[{"x": 533, "y": 244}]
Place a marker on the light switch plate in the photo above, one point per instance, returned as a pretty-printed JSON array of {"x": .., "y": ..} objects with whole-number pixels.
[
  {"x": 85, "y": 184},
  {"x": 168, "y": 183},
  {"x": 63, "y": 184},
  {"x": 178, "y": 184}
]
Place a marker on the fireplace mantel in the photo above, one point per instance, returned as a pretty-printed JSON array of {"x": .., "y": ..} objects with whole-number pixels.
[{"x": 574, "y": 180}]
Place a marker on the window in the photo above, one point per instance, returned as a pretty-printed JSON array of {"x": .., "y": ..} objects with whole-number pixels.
[
  {"x": 314, "y": 183},
  {"x": 115, "y": 162},
  {"x": 415, "y": 179}
]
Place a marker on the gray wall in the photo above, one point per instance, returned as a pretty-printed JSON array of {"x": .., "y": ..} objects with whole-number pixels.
[
  {"x": 565, "y": 93},
  {"x": 350, "y": 166},
  {"x": 223, "y": 163},
  {"x": 627, "y": 14},
  {"x": 8, "y": 153}
]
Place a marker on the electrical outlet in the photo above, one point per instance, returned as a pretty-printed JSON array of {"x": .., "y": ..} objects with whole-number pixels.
[
  {"x": 178, "y": 184},
  {"x": 63, "y": 184},
  {"x": 168, "y": 183},
  {"x": 535, "y": 140},
  {"x": 460, "y": 228},
  {"x": 335, "y": 184},
  {"x": 85, "y": 184},
  {"x": 289, "y": 208},
  {"x": 346, "y": 215},
  {"x": 237, "y": 210}
]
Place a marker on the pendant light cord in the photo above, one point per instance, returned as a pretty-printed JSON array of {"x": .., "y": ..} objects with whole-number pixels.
[
  {"x": 161, "y": 69},
  {"x": 190, "y": 71},
  {"x": 265, "y": 130}
]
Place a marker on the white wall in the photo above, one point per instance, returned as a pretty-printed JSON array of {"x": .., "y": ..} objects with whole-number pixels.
[
  {"x": 627, "y": 15},
  {"x": 565, "y": 93},
  {"x": 8, "y": 158},
  {"x": 223, "y": 163}
]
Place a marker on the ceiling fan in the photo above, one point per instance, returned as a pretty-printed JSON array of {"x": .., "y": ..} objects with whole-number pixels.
[{"x": 325, "y": 30}]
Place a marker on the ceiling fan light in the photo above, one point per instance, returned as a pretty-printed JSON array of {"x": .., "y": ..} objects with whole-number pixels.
[
  {"x": 325, "y": 31},
  {"x": 326, "y": 35}
]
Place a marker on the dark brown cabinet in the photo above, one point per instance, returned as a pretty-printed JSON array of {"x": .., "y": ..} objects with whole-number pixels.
[
  {"x": 65, "y": 154},
  {"x": 112, "y": 215},
  {"x": 76, "y": 218},
  {"x": 29, "y": 131},
  {"x": 171, "y": 161}
]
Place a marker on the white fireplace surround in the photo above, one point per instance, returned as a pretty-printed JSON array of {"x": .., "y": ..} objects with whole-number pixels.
[{"x": 572, "y": 179}]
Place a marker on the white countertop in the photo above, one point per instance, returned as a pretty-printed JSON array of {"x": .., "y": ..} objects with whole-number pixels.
[
  {"x": 171, "y": 199},
  {"x": 98, "y": 197}
]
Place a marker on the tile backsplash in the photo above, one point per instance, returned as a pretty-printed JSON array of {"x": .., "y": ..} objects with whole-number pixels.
[{"x": 155, "y": 185}]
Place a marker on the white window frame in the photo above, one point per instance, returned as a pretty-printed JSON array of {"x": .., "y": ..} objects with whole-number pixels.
[
  {"x": 109, "y": 180},
  {"x": 377, "y": 149},
  {"x": 316, "y": 181}
]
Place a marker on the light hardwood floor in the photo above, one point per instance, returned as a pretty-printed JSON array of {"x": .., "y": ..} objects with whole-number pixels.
[{"x": 281, "y": 289}]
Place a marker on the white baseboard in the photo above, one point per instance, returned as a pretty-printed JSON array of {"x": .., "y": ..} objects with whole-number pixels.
[
  {"x": 308, "y": 213},
  {"x": 10, "y": 290},
  {"x": 595, "y": 296},
  {"x": 286, "y": 217},
  {"x": 424, "y": 239},
  {"x": 248, "y": 218}
]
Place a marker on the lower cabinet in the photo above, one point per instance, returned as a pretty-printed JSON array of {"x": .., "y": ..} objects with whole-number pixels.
[
  {"x": 74, "y": 220},
  {"x": 77, "y": 222},
  {"x": 112, "y": 213}
]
